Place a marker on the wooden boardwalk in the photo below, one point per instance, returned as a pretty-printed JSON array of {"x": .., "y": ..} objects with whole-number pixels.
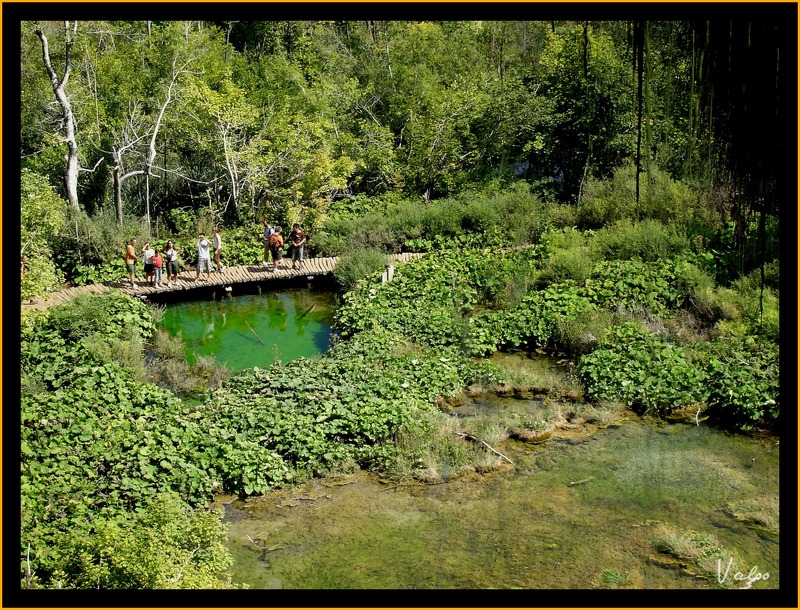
[{"x": 186, "y": 279}]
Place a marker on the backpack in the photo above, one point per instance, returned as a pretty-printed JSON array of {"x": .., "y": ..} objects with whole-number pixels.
[{"x": 274, "y": 241}]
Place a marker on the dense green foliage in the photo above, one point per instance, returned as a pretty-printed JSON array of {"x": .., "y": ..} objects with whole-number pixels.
[
  {"x": 626, "y": 322},
  {"x": 228, "y": 122},
  {"x": 643, "y": 369},
  {"x": 97, "y": 443},
  {"x": 42, "y": 214},
  {"x": 560, "y": 207},
  {"x": 164, "y": 546}
]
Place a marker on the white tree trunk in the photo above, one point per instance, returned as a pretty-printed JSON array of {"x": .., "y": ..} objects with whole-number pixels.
[{"x": 59, "y": 89}]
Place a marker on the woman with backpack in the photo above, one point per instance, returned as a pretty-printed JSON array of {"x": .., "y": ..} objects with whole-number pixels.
[
  {"x": 268, "y": 231},
  {"x": 276, "y": 247}
]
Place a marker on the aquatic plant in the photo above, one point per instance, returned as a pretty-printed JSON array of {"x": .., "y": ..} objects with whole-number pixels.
[
  {"x": 705, "y": 557},
  {"x": 614, "y": 579},
  {"x": 760, "y": 512}
]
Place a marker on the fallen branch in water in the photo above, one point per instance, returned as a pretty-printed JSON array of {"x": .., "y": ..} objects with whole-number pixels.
[
  {"x": 327, "y": 496},
  {"x": 581, "y": 482},
  {"x": 306, "y": 312},
  {"x": 276, "y": 547},
  {"x": 476, "y": 439},
  {"x": 339, "y": 483},
  {"x": 254, "y": 332}
]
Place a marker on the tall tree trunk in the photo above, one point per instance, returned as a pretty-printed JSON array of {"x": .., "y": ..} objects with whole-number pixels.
[
  {"x": 648, "y": 116},
  {"x": 639, "y": 52},
  {"x": 147, "y": 198},
  {"x": 117, "y": 187},
  {"x": 68, "y": 118},
  {"x": 151, "y": 150}
]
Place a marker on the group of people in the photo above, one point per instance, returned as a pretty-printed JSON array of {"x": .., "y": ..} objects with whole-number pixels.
[
  {"x": 273, "y": 245},
  {"x": 203, "y": 256},
  {"x": 156, "y": 261}
]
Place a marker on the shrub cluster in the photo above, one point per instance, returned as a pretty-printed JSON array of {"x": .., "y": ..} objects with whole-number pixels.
[{"x": 473, "y": 219}]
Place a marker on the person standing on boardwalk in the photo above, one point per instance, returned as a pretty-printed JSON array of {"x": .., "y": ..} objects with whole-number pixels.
[
  {"x": 147, "y": 253},
  {"x": 297, "y": 239},
  {"x": 130, "y": 261},
  {"x": 171, "y": 260},
  {"x": 268, "y": 231},
  {"x": 203, "y": 258},
  {"x": 276, "y": 248},
  {"x": 158, "y": 264},
  {"x": 218, "y": 250}
]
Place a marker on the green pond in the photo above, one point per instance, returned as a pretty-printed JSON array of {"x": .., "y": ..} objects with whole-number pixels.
[
  {"x": 246, "y": 330},
  {"x": 575, "y": 513}
]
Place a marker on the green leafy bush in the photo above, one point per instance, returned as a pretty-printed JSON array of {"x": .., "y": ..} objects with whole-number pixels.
[
  {"x": 92, "y": 247},
  {"x": 649, "y": 240},
  {"x": 41, "y": 279},
  {"x": 512, "y": 216},
  {"x": 357, "y": 264},
  {"x": 111, "y": 313},
  {"x": 42, "y": 212},
  {"x": 110, "y": 271},
  {"x": 531, "y": 324},
  {"x": 743, "y": 383},
  {"x": 661, "y": 198},
  {"x": 167, "y": 545},
  {"x": 643, "y": 370},
  {"x": 633, "y": 285}
]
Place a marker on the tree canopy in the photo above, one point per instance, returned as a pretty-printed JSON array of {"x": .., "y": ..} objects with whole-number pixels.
[{"x": 250, "y": 117}]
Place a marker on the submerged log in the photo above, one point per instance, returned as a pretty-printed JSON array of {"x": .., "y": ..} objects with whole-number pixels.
[
  {"x": 254, "y": 332},
  {"x": 485, "y": 444}
]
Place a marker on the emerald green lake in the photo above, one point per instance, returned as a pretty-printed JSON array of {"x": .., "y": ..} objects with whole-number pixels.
[{"x": 246, "y": 330}]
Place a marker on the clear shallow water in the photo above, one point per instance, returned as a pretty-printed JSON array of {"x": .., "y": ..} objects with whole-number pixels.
[
  {"x": 527, "y": 528},
  {"x": 291, "y": 323}
]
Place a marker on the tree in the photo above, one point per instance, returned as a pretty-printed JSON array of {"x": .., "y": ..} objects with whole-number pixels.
[
  {"x": 59, "y": 85},
  {"x": 583, "y": 73},
  {"x": 42, "y": 213}
]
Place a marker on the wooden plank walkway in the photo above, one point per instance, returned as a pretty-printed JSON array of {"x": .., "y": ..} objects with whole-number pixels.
[{"x": 187, "y": 281}]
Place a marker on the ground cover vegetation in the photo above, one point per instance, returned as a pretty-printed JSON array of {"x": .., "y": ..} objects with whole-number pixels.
[{"x": 576, "y": 189}]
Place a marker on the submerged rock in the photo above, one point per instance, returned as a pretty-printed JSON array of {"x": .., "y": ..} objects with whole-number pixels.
[{"x": 530, "y": 436}]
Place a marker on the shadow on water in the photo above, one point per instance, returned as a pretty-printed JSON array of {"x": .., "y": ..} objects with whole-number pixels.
[
  {"x": 256, "y": 328},
  {"x": 567, "y": 516}
]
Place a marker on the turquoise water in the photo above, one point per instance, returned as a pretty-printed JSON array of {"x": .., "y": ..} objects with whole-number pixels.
[{"x": 244, "y": 331}]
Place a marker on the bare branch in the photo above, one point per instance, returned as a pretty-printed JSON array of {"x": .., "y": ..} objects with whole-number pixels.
[
  {"x": 91, "y": 171},
  {"x": 185, "y": 177}
]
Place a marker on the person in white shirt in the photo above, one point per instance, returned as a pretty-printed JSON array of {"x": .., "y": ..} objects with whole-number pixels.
[
  {"x": 203, "y": 258},
  {"x": 147, "y": 254},
  {"x": 171, "y": 261}
]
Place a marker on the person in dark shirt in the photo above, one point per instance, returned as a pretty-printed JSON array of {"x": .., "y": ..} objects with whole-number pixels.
[{"x": 297, "y": 239}]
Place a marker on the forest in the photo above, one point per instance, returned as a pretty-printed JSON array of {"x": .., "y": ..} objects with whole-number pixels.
[{"x": 608, "y": 190}]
